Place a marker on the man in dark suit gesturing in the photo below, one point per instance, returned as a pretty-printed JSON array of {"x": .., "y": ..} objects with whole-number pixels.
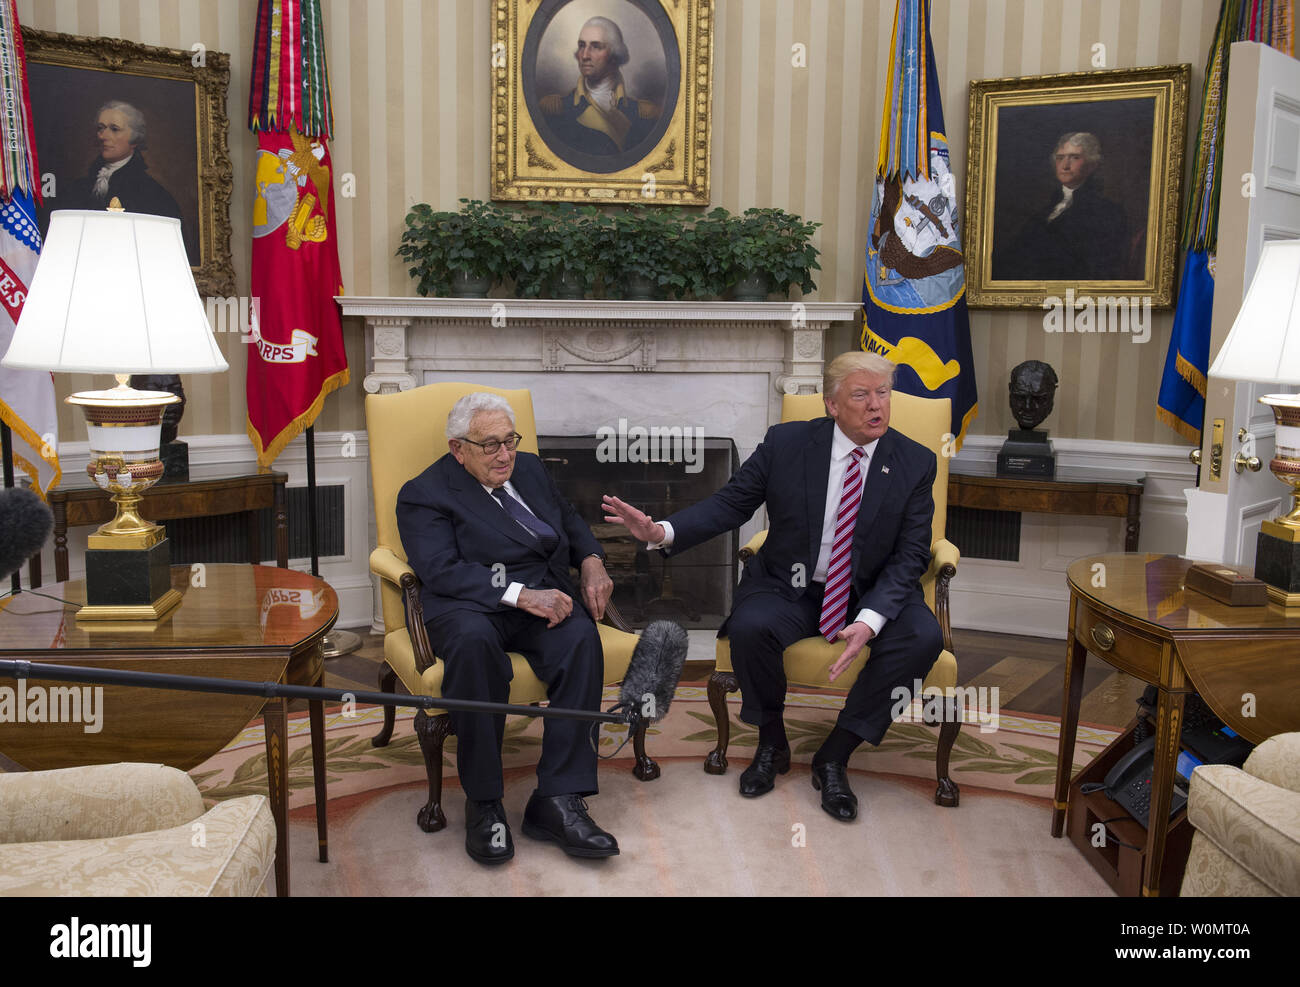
[
  {"x": 849, "y": 509},
  {"x": 492, "y": 540}
]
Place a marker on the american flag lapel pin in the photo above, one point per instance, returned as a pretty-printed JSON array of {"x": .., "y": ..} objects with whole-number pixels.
[{"x": 884, "y": 469}]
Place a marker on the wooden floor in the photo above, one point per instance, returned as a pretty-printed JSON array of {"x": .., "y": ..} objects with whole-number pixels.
[{"x": 1027, "y": 671}]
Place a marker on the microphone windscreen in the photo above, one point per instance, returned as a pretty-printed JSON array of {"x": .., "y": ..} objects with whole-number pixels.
[
  {"x": 655, "y": 669},
  {"x": 25, "y": 523}
]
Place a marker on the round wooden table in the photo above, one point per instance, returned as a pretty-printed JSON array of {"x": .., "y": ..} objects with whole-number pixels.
[{"x": 234, "y": 621}]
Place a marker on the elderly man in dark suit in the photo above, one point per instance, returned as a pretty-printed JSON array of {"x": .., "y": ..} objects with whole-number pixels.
[
  {"x": 849, "y": 509},
  {"x": 492, "y": 540}
]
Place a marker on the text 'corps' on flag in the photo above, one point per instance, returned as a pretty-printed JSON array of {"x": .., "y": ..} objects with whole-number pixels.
[{"x": 913, "y": 296}]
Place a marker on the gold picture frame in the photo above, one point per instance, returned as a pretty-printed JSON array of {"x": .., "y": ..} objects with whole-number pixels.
[
  {"x": 653, "y": 143},
  {"x": 181, "y": 98},
  {"x": 1118, "y": 233}
]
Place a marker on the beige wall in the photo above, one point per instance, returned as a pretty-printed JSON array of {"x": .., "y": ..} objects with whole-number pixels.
[{"x": 411, "y": 97}]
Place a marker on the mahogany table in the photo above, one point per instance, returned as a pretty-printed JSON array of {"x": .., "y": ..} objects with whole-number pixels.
[
  {"x": 1134, "y": 612},
  {"x": 77, "y": 502},
  {"x": 258, "y": 623},
  {"x": 1076, "y": 490}
]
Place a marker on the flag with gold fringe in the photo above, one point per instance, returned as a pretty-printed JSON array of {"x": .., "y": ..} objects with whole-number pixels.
[
  {"x": 298, "y": 356},
  {"x": 914, "y": 291},
  {"x": 26, "y": 396},
  {"x": 1181, "y": 402}
]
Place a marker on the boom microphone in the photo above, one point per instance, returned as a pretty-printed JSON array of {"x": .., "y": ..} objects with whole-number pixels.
[
  {"x": 654, "y": 671},
  {"x": 25, "y": 523}
]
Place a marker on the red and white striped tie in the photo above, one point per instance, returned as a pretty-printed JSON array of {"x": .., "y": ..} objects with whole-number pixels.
[{"x": 835, "y": 602}]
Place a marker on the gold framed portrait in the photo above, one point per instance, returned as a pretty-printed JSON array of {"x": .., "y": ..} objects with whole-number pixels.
[
  {"x": 602, "y": 100},
  {"x": 1074, "y": 181},
  {"x": 145, "y": 125}
]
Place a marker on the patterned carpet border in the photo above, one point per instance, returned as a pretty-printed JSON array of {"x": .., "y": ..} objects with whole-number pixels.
[{"x": 1019, "y": 756}]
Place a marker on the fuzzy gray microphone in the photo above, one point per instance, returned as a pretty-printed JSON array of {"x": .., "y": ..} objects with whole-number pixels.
[
  {"x": 654, "y": 671},
  {"x": 25, "y": 523}
]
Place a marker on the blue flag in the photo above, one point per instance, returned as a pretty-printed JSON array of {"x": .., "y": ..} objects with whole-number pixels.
[
  {"x": 1181, "y": 404},
  {"x": 914, "y": 292}
]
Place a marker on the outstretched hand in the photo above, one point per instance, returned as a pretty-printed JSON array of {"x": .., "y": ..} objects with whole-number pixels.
[
  {"x": 856, "y": 637},
  {"x": 637, "y": 522}
]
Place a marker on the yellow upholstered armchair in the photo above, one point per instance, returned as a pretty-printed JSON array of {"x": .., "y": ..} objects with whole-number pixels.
[
  {"x": 924, "y": 420},
  {"x": 408, "y": 432}
]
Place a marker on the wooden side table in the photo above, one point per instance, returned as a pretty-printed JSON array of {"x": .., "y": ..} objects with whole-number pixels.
[
  {"x": 83, "y": 503},
  {"x": 1074, "y": 493},
  {"x": 255, "y": 623},
  {"x": 1133, "y": 612}
]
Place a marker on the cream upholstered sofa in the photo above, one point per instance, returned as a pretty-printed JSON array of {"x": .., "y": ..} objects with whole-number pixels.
[
  {"x": 926, "y": 420},
  {"x": 129, "y": 830},
  {"x": 1247, "y": 824}
]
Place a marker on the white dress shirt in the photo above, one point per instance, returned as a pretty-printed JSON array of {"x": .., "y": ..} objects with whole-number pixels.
[
  {"x": 107, "y": 172},
  {"x": 841, "y": 448},
  {"x": 1064, "y": 204}
]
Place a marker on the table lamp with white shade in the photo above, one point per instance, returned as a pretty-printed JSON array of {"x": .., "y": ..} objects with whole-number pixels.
[
  {"x": 1264, "y": 346},
  {"x": 113, "y": 293}
]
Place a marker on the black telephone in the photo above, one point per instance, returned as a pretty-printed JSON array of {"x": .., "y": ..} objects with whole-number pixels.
[{"x": 1129, "y": 781}]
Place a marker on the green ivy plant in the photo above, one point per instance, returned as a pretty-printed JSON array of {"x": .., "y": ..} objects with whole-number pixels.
[
  {"x": 682, "y": 255},
  {"x": 478, "y": 241},
  {"x": 776, "y": 245}
]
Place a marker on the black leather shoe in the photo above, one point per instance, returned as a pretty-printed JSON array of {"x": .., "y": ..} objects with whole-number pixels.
[
  {"x": 832, "y": 780},
  {"x": 487, "y": 834},
  {"x": 563, "y": 819},
  {"x": 760, "y": 777}
]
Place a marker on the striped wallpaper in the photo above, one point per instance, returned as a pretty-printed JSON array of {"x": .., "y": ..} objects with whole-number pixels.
[{"x": 411, "y": 100}]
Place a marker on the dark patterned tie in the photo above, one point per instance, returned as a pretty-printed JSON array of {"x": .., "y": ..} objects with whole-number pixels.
[
  {"x": 835, "y": 601},
  {"x": 542, "y": 532}
]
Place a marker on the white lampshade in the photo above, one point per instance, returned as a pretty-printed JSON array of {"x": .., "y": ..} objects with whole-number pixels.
[
  {"x": 1264, "y": 342},
  {"x": 113, "y": 293}
]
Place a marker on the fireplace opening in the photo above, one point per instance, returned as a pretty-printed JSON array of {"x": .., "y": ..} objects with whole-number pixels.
[{"x": 693, "y": 589}]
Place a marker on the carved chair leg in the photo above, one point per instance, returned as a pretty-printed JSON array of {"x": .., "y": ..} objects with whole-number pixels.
[
  {"x": 720, "y": 683},
  {"x": 645, "y": 769},
  {"x": 387, "y": 683},
  {"x": 432, "y": 731},
  {"x": 947, "y": 793}
]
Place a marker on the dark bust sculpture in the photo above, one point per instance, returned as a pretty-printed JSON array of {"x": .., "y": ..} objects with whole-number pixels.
[
  {"x": 1033, "y": 389},
  {"x": 170, "y": 383},
  {"x": 175, "y": 455}
]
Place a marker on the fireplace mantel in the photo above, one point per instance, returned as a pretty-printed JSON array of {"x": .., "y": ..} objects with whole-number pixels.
[{"x": 410, "y": 341}]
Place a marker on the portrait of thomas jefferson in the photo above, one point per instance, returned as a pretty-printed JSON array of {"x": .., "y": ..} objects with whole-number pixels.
[
  {"x": 1072, "y": 190},
  {"x": 1076, "y": 231},
  {"x": 601, "y": 87}
]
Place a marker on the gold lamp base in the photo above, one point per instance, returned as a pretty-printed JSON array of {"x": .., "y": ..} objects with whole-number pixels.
[
  {"x": 147, "y": 611},
  {"x": 127, "y": 559}
]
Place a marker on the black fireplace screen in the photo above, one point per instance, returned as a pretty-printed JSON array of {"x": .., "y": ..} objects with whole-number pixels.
[{"x": 694, "y": 588}]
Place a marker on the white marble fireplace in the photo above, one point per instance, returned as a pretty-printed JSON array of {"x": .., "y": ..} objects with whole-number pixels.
[
  {"x": 717, "y": 366},
  {"x": 720, "y": 366}
]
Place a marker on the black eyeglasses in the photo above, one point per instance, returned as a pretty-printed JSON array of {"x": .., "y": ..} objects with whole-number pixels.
[{"x": 492, "y": 446}]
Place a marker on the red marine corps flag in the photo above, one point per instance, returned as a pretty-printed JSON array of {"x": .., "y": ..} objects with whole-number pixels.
[{"x": 298, "y": 356}]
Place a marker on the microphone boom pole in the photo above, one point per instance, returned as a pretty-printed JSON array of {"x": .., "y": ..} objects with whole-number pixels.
[{"x": 274, "y": 690}]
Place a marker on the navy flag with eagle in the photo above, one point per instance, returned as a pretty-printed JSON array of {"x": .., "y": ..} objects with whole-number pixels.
[{"x": 913, "y": 296}]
